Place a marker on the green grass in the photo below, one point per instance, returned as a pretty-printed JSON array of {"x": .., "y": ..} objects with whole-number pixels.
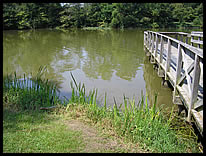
[
  {"x": 37, "y": 132},
  {"x": 138, "y": 122},
  {"x": 27, "y": 129}
]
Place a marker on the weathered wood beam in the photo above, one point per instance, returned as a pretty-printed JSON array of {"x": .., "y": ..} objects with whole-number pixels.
[
  {"x": 149, "y": 41},
  {"x": 156, "y": 45},
  {"x": 167, "y": 68},
  {"x": 195, "y": 86},
  {"x": 152, "y": 43},
  {"x": 161, "y": 49},
  {"x": 177, "y": 76},
  {"x": 185, "y": 67},
  {"x": 179, "y": 64},
  {"x": 191, "y": 67}
]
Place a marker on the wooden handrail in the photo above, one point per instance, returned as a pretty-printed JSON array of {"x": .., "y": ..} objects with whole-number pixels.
[
  {"x": 199, "y": 52},
  {"x": 180, "y": 33}
]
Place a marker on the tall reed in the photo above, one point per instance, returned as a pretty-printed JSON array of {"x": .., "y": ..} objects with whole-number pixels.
[
  {"x": 30, "y": 93},
  {"x": 136, "y": 121}
]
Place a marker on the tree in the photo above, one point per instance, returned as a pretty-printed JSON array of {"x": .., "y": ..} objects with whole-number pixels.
[
  {"x": 116, "y": 15},
  {"x": 9, "y": 16}
]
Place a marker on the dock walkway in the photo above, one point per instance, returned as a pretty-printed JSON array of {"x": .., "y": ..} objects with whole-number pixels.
[{"x": 179, "y": 58}]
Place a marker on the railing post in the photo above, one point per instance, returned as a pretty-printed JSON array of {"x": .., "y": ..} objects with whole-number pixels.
[
  {"x": 150, "y": 41},
  {"x": 199, "y": 39},
  {"x": 156, "y": 46},
  {"x": 161, "y": 49},
  {"x": 181, "y": 38},
  {"x": 192, "y": 38},
  {"x": 160, "y": 71},
  {"x": 195, "y": 86},
  {"x": 167, "y": 68},
  {"x": 179, "y": 64},
  {"x": 147, "y": 40},
  {"x": 176, "y": 36},
  {"x": 178, "y": 74},
  {"x": 186, "y": 39}
]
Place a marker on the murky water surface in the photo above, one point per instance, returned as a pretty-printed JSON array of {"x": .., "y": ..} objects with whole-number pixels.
[{"x": 111, "y": 61}]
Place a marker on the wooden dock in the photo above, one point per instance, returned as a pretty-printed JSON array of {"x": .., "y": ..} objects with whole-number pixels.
[{"x": 179, "y": 58}]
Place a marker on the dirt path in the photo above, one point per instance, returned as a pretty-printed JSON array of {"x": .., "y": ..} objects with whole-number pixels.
[{"x": 97, "y": 143}]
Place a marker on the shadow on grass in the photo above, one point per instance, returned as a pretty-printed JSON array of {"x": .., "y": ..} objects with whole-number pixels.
[
  {"x": 38, "y": 132},
  {"x": 14, "y": 121}
]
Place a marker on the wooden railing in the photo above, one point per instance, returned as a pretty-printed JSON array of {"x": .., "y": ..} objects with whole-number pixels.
[
  {"x": 194, "y": 38},
  {"x": 181, "y": 36},
  {"x": 186, "y": 68},
  {"x": 199, "y": 40}
]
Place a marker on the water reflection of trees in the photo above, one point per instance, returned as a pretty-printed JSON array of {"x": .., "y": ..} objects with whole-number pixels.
[
  {"x": 33, "y": 49},
  {"x": 110, "y": 52},
  {"x": 98, "y": 54},
  {"x": 153, "y": 86}
]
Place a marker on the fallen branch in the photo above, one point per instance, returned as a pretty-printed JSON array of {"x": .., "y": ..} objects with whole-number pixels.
[{"x": 47, "y": 108}]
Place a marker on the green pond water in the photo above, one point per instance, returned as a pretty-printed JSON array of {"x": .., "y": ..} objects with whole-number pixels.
[{"x": 112, "y": 61}]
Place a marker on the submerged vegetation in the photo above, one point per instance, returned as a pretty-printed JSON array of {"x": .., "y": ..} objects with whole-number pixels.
[{"x": 137, "y": 122}]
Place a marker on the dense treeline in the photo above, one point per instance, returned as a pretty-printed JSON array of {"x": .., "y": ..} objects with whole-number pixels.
[{"x": 116, "y": 15}]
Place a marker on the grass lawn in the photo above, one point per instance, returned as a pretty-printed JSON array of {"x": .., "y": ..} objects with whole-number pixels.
[
  {"x": 38, "y": 132},
  {"x": 64, "y": 131},
  {"x": 79, "y": 125}
]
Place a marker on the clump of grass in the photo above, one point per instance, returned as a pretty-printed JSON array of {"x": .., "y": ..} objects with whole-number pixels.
[
  {"x": 137, "y": 121},
  {"x": 29, "y": 93}
]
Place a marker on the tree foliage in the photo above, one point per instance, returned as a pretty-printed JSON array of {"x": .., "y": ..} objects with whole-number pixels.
[{"x": 116, "y": 15}]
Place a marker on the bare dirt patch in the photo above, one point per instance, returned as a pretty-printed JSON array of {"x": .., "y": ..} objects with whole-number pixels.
[{"x": 96, "y": 143}]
